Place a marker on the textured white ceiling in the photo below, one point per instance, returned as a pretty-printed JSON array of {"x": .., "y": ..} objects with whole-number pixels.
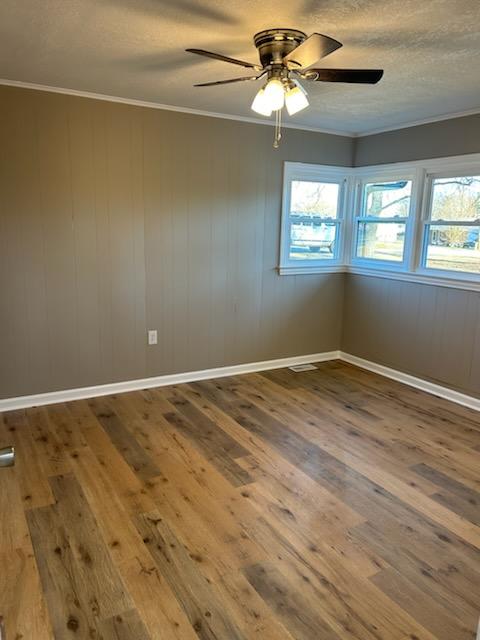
[{"x": 135, "y": 49}]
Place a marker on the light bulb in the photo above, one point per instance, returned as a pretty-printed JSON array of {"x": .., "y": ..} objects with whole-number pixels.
[
  {"x": 274, "y": 94},
  {"x": 295, "y": 99},
  {"x": 260, "y": 105}
]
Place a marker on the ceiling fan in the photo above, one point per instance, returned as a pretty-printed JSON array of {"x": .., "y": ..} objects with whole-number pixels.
[{"x": 286, "y": 56}]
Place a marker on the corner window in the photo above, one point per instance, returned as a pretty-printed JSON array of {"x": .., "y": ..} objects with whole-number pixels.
[
  {"x": 312, "y": 217},
  {"x": 417, "y": 221},
  {"x": 381, "y": 225},
  {"x": 452, "y": 225}
]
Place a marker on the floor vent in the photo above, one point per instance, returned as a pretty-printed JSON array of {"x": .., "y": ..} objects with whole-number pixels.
[{"x": 302, "y": 367}]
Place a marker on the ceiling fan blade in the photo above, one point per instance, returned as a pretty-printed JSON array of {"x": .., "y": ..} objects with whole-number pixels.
[
  {"x": 219, "y": 56},
  {"x": 211, "y": 84},
  {"x": 360, "y": 76},
  {"x": 314, "y": 48}
]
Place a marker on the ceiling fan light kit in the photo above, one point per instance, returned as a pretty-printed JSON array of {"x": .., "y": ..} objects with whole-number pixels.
[{"x": 287, "y": 55}]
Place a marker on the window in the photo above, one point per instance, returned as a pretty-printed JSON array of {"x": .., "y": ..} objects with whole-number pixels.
[
  {"x": 313, "y": 225},
  {"x": 452, "y": 225},
  {"x": 312, "y": 216},
  {"x": 382, "y": 222},
  {"x": 417, "y": 221}
]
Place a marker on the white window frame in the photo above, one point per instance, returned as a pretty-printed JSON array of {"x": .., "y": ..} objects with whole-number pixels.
[
  {"x": 413, "y": 269},
  {"x": 426, "y": 221},
  {"x": 358, "y": 216},
  {"x": 313, "y": 173}
]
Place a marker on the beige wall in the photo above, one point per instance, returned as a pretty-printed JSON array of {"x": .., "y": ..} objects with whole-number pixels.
[
  {"x": 427, "y": 331},
  {"x": 115, "y": 219},
  {"x": 453, "y": 137}
]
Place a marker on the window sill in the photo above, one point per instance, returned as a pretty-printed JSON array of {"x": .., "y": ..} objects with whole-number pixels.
[
  {"x": 311, "y": 269},
  {"x": 453, "y": 282}
]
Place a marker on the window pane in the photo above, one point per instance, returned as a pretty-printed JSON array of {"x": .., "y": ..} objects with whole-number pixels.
[
  {"x": 312, "y": 240},
  {"x": 454, "y": 248},
  {"x": 318, "y": 199},
  {"x": 456, "y": 198},
  {"x": 387, "y": 199},
  {"x": 381, "y": 240}
]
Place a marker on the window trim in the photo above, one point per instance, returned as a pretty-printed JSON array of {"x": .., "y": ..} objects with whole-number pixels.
[
  {"x": 358, "y": 216},
  {"x": 426, "y": 222},
  {"x": 315, "y": 173},
  {"x": 412, "y": 270}
]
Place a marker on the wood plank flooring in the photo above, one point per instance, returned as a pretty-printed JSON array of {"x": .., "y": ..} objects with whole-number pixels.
[{"x": 326, "y": 505}]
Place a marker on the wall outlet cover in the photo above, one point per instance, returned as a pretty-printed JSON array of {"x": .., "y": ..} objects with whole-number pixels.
[{"x": 152, "y": 336}]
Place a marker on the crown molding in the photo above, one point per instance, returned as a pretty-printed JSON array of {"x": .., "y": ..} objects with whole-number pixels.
[
  {"x": 225, "y": 116},
  {"x": 167, "y": 107},
  {"x": 418, "y": 123}
]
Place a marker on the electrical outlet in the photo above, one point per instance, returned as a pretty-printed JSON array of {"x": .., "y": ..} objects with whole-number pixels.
[{"x": 152, "y": 336}]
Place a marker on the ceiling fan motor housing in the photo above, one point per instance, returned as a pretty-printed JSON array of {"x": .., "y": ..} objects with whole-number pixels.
[{"x": 274, "y": 44}]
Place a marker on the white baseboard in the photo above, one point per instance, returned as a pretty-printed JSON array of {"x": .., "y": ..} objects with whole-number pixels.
[
  {"x": 22, "y": 402},
  {"x": 412, "y": 381}
]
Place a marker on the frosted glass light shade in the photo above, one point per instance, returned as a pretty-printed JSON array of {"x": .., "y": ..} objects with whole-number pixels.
[
  {"x": 295, "y": 100},
  {"x": 260, "y": 105},
  {"x": 274, "y": 94}
]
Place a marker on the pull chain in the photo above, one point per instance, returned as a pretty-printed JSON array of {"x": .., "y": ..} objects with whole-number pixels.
[{"x": 278, "y": 129}]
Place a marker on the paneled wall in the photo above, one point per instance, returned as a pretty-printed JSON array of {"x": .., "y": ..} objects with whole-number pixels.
[
  {"x": 453, "y": 137},
  {"x": 430, "y": 332},
  {"x": 115, "y": 219},
  {"x": 427, "y": 331}
]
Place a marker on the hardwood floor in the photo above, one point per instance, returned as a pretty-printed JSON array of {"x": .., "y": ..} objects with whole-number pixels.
[{"x": 327, "y": 505}]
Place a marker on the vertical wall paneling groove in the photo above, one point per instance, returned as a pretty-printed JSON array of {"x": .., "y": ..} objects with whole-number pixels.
[
  {"x": 137, "y": 169},
  {"x": 57, "y": 213},
  {"x": 12, "y": 171},
  {"x": 81, "y": 152}
]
